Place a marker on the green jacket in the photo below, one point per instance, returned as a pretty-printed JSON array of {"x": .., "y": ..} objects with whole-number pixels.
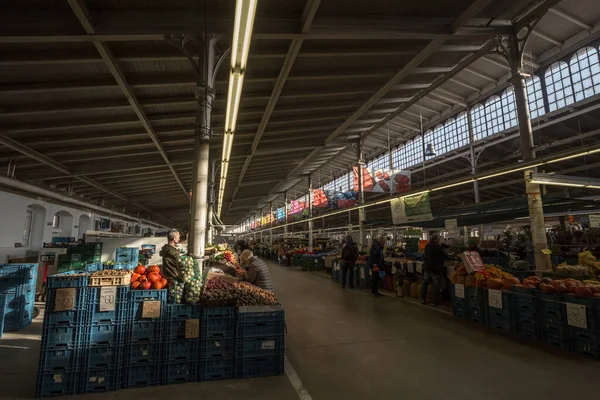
[{"x": 170, "y": 264}]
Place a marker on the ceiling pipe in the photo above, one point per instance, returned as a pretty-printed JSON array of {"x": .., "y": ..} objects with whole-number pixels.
[{"x": 32, "y": 189}]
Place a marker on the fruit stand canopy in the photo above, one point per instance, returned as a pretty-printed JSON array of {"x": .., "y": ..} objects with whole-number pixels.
[{"x": 97, "y": 104}]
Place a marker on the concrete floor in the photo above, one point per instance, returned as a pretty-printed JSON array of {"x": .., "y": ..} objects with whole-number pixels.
[{"x": 348, "y": 345}]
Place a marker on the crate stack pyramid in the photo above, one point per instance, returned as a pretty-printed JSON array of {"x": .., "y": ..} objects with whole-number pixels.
[{"x": 17, "y": 295}]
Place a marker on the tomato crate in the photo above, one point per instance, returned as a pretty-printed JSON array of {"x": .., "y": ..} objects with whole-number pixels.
[
  {"x": 459, "y": 305},
  {"x": 144, "y": 353},
  {"x": 181, "y": 350},
  {"x": 180, "y": 372},
  {"x": 260, "y": 347},
  {"x": 217, "y": 322},
  {"x": 110, "y": 280},
  {"x": 68, "y": 337},
  {"x": 120, "y": 301},
  {"x": 476, "y": 304},
  {"x": 59, "y": 359},
  {"x": 215, "y": 368},
  {"x": 67, "y": 280},
  {"x": 217, "y": 347},
  {"x": 97, "y": 380},
  {"x": 499, "y": 310},
  {"x": 583, "y": 325},
  {"x": 105, "y": 334},
  {"x": 553, "y": 320},
  {"x": 103, "y": 356},
  {"x": 259, "y": 366},
  {"x": 138, "y": 297},
  {"x": 525, "y": 313},
  {"x": 54, "y": 383},
  {"x": 144, "y": 331},
  {"x": 141, "y": 375}
]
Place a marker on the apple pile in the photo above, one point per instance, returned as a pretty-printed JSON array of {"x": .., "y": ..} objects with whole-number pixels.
[{"x": 148, "y": 278}]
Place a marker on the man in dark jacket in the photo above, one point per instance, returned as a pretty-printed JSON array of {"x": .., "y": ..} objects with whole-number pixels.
[
  {"x": 433, "y": 268},
  {"x": 170, "y": 256},
  {"x": 349, "y": 257},
  {"x": 376, "y": 262}
]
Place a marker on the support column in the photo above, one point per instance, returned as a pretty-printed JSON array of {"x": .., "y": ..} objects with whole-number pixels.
[
  {"x": 473, "y": 158},
  {"x": 285, "y": 210},
  {"x": 310, "y": 213},
  {"x": 534, "y": 197},
  {"x": 211, "y": 201},
  {"x": 271, "y": 219},
  {"x": 205, "y": 95},
  {"x": 362, "y": 213}
]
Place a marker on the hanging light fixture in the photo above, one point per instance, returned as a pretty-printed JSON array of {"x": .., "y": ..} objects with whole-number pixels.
[{"x": 429, "y": 150}]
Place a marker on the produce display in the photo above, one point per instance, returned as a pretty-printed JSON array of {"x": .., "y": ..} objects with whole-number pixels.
[
  {"x": 146, "y": 278},
  {"x": 193, "y": 290},
  {"x": 218, "y": 292},
  {"x": 574, "y": 270},
  {"x": 175, "y": 292},
  {"x": 190, "y": 269},
  {"x": 491, "y": 276},
  {"x": 587, "y": 259}
]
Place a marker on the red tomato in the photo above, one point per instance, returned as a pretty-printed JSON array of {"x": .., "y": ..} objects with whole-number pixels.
[
  {"x": 153, "y": 277},
  {"x": 164, "y": 281},
  {"x": 135, "y": 285},
  {"x": 143, "y": 278},
  {"x": 140, "y": 269},
  {"x": 157, "y": 285},
  {"x": 146, "y": 285},
  {"x": 135, "y": 277},
  {"x": 154, "y": 268}
]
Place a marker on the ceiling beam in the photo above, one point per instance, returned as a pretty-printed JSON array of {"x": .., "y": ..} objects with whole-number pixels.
[
  {"x": 571, "y": 18},
  {"x": 82, "y": 15}
]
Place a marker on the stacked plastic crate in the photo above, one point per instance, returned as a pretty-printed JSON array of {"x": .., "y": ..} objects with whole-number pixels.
[
  {"x": 498, "y": 309},
  {"x": 126, "y": 257},
  {"x": 525, "y": 313},
  {"x": 553, "y": 319},
  {"x": 2, "y": 304},
  {"x": 144, "y": 338},
  {"x": 17, "y": 284},
  {"x": 583, "y": 325},
  {"x": 260, "y": 341},
  {"x": 63, "y": 336},
  {"x": 181, "y": 353},
  {"x": 217, "y": 343}
]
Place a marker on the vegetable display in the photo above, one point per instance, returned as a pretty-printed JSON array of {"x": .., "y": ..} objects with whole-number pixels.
[
  {"x": 147, "y": 278},
  {"x": 218, "y": 292}
]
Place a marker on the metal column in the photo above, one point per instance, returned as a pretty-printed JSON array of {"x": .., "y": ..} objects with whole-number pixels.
[
  {"x": 271, "y": 219},
  {"x": 310, "y": 213},
  {"x": 534, "y": 197},
  {"x": 362, "y": 213},
  {"x": 473, "y": 157},
  {"x": 285, "y": 210},
  {"x": 211, "y": 201}
]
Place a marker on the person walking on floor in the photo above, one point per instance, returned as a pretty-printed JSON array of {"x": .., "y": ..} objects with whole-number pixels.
[
  {"x": 349, "y": 257},
  {"x": 376, "y": 262},
  {"x": 433, "y": 267}
]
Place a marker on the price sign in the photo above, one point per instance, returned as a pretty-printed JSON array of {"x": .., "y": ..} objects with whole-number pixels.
[
  {"x": 268, "y": 345},
  {"x": 362, "y": 273},
  {"x": 594, "y": 220},
  {"x": 451, "y": 225},
  {"x": 192, "y": 329},
  {"x": 409, "y": 267},
  {"x": 472, "y": 261},
  {"x": 495, "y": 298},
  {"x": 108, "y": 295},
  {"x": 577, "y": 315},
  {"x": 459, "y": 290},
  {"x": 151, "y": 309},
  {"x": 65, "y": 299},
  {"x": 419, "y": 267}
]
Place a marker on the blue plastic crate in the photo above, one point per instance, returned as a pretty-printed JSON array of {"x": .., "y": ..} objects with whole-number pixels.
[
  {"x": 181, "y": 350},
  {"x": 500, "y": 319},
  {"x": 144, "y": 331},
  {"x": 137, "y": 298},
  {"x": 56, "y": 384},
  {"x": 182, "y": 312},
  {"x": 96, "y": 380},
  {"x": 118, "y": 315},
  {"x": 2, "y": 304},
  {"x": 216, "y": 368},
  {"x": 63, "y": 337},
  {"x": 475, "y": 304},
  {"x": 553, "y": 320},
  {"x": 105, "y": 334},
  {"x": 72, "y": 317},
  {"x": 525, "y": 313},
  {"x": 15, "y": 275},
  {"x": 459, "y": 305},
  {"x": 59, "y": 359},
  {"x": 260, "y": 314},
  {"x": 104, "y": 356},
  {"x": 144, "y": 353},
  {"x": 141, "y": 375},
  {"x": 93, "y": 267},
  {"x": 217, "y": 322},
  {"x": 180, "y": 372},
  {"x": 585, "y": 340},
  {"x": 260, "y": 347},
  {"x": 221, "y": 347},
  {"x": 127, "y": 255},
  {"x": 259, "y": 366},
  {"x": 66, "y": 280}
]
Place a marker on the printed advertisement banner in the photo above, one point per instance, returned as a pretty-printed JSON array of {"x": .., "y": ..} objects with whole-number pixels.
[
  {"x": 296, "y": 207},
  {"x": 280, "y": 214},
  {"x": 411, "y": 209},
  {"x": 383, "y": 181}
]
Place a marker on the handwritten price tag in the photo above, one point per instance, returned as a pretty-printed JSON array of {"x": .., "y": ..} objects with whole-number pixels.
[
  {"x": 151, "y": 309},
  {"x": 495, "y": 298},
  {"x": 577, "y": 315},
  {"x": 419, "y": 267},
  {"x": 409, "y": 267},
  {"x": 108, "y": 295},
  {"x": 459, "y": 290},
  {"x": 65, "y": 299},
  {"x": 192, "y": 329}
]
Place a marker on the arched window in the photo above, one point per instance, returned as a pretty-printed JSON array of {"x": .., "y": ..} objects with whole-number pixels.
[
  {"x": 56, "y": 221},
  {"x": 479, "y": 124},
  {"x": 438, "y": 140},
  {"x": 493, "y": 115},
  {"x": 451, "y": 134},
  {"x": 509, "y": 111},
  {"x": 411, "y": 153},
  {"x": 585, "y": 73},
  {"x": 558, "y": 84},
  {"x": 381, "y": 162},
  {"x": 462, "y": 129},
  {"x": 535, "y": 97}
]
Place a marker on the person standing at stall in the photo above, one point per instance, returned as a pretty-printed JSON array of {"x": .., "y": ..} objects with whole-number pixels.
[
  {"x": 257, "y": 272},
  {"x": 376, "y": 262},
  {"x": 349, "y": 257},
  {"x": 433, "y": 267}
]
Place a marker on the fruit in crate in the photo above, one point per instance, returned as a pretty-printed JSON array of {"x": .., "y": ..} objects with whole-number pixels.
[{"x": 144, "y": 278}]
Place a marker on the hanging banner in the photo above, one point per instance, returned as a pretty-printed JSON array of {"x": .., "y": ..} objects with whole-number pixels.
[
  {"x": 280, "y": 213},
  {"x": 411, "y": 209},
  {"x": 320, "y": 199},
  {"x": 383, "y": 181},
  {"x": 296, "y": 207}
]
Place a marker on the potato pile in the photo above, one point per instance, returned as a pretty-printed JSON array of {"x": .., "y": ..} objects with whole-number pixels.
[
  {"x": 250, "y": 295},
  {"x": 220, "y": 293}
]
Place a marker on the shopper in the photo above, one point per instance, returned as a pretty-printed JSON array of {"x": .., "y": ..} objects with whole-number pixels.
[
  {"x": 349, "y": 257},
  {"x": 376, "y": 262},
  {"x": 257, "y": 272},
  {"x": 170, "y": 255},
  {"x": 433, "y": 268}
]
